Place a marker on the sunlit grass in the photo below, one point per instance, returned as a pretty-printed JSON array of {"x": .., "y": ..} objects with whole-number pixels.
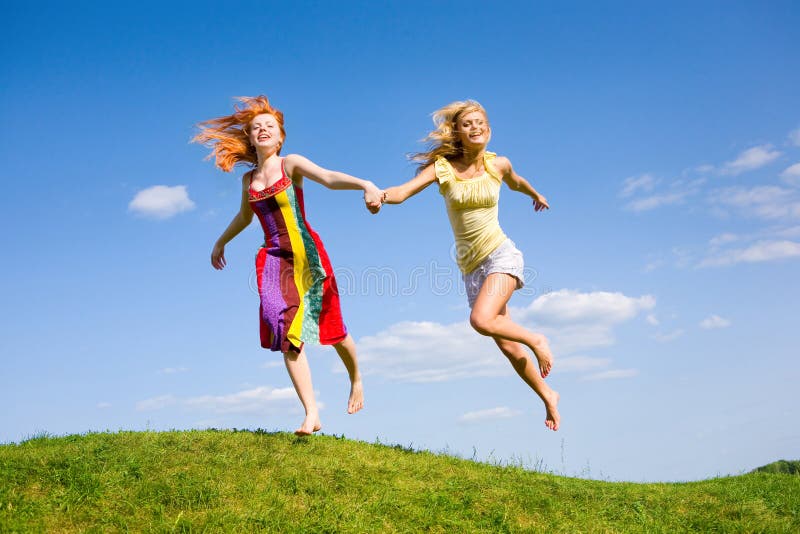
[{"x": 220, "y": 481}]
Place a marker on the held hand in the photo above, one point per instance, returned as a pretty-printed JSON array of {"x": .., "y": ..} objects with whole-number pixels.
[
  {"x": 540, "y": 203},
  {"x": 218, "y": 256},
  {"x": 373, "y": 199}
]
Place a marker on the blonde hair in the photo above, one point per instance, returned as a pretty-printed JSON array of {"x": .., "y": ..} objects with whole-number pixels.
[
  {"x": 443, "y": 140},
  {"x": 228, "y": 136}
]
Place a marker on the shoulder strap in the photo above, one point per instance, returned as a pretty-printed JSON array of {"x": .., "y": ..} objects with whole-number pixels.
[
  {"x": 444, "y": 172},
  {"x": 283, "y": 169},
  {"x": 488, "y": 163}
]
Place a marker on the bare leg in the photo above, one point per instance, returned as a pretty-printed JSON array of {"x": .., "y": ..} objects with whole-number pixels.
[
  {"x": 300, "y": 373},
  {"x": 487, "y": 319},
  {"x": 518, "y": 356},
  {"x": 346, "y": 349}
]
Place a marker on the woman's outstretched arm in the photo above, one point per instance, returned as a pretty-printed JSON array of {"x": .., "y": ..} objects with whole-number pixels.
[
  {"x": 297, "y": 166},
  {"x": 240, "y": 221},
  {"x": 518, "y": 183},
  {"x": 399, "y": 193}
]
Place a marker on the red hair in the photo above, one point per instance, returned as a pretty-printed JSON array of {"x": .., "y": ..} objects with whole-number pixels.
[{"x": 228, "y": 137}]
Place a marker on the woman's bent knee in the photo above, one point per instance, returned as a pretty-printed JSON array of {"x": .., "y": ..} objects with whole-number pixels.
[{"x": 481, "y": 324}]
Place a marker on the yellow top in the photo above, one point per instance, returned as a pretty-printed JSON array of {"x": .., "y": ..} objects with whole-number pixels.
[{"x": 472, "y": 208}]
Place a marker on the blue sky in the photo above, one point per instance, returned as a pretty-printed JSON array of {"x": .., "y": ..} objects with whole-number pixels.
[{"x": 666, "y": 138}]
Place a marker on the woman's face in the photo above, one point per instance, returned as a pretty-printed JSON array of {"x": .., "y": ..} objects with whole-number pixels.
[
  {"x": 264, "y": 132},
  {"x": 473, "y": 129}
]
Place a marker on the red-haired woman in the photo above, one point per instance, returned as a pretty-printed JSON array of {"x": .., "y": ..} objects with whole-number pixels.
[{"x": 299, "y": 297}]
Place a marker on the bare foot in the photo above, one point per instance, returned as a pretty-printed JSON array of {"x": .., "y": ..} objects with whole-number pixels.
[
  {"x": 356, "y": 400},
  {"x": 553, "y": 419},
  {"x": 310, "y": 425},
  {"x": 541, "y": 349}
]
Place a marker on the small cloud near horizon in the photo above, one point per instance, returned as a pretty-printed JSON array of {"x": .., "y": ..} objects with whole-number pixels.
[
  {"x": 501, "y": 412},
  {"x": 611, "y": 375},
  {"x": 172, "y": 370},
  {"x": 255, "y": 400}
]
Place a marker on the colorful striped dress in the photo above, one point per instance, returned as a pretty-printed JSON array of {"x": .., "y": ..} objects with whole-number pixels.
[{"x": 299, "y": 297}]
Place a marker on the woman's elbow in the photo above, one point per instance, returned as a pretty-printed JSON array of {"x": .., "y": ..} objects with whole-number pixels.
[
  {"x": 245, "y": 218},
  {"x": 395, "y": 196}
]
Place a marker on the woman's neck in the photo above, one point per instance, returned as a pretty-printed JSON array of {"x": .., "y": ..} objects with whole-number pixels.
[
  {"x": 265, "y": 158},
  {"x": 470, "y": 156}
]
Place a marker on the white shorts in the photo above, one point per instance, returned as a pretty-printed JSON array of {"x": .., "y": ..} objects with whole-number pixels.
[{"x": 505, "y": 259}]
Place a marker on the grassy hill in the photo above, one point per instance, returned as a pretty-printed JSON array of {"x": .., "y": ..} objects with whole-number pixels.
[
  {"x": 220, "y": 481},
  {"x": 781, "y": 466}
]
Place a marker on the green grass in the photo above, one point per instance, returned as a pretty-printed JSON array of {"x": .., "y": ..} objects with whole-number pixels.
[
  {"x": 781, "y": 466},
  {"x": 227, "y": 481}
]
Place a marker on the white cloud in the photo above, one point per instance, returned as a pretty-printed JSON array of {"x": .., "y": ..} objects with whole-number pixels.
[
  {"x": 765, "y": 234},
  {"x": 766, "y": 201},
  {"x": 501, "y": 412},
  {"x": 743, "y": 197},
  {"x": 794, "y": 137},
  {"x": 412, "y": 351},
  {"x": 258, "y": 400},
  {"x": 172, "y": 370},
  {"x": 272, "y": 364},
  {"x": 434, "y": 352},
  {"x": 723, "y": 239},
  {"x": 645, "y": 182},
  {"x": 656, "y": 201},
  {"x": 567, "y": 306},
  {"x": 676, "y": 192},
  {"x": 103, "y": 405},
  {"x": 670, "y": 336},
  {"x": 681, "y": 257},
  {"x": 790, "y": 232},
  {"x": 156, "y": 403},
  {"x": 751, "y": 159},
  {"x": 612, "y": 374},
  {"x": 714, "y": 321},
  {"x": 652, "y": 320},
  {"x": 653, "y": 265},
  {"x": 161, "y": 201},
  {"x": 581, "y": 364},
  {"x": 759, "y": 252},
  {"x": 791, "y": 175},
  {"x": 576, "y": 321},
  {"x": 704, "y": 169},
  {"x": 567, "y": 340}
]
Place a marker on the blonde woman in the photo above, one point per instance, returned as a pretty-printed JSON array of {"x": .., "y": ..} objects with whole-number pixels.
[
  {"x": 469, "y": 179},
  {"x": 296, "y": 284}
]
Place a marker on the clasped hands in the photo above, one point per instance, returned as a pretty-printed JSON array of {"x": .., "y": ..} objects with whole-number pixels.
[{"x": 373, "y": 199}]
